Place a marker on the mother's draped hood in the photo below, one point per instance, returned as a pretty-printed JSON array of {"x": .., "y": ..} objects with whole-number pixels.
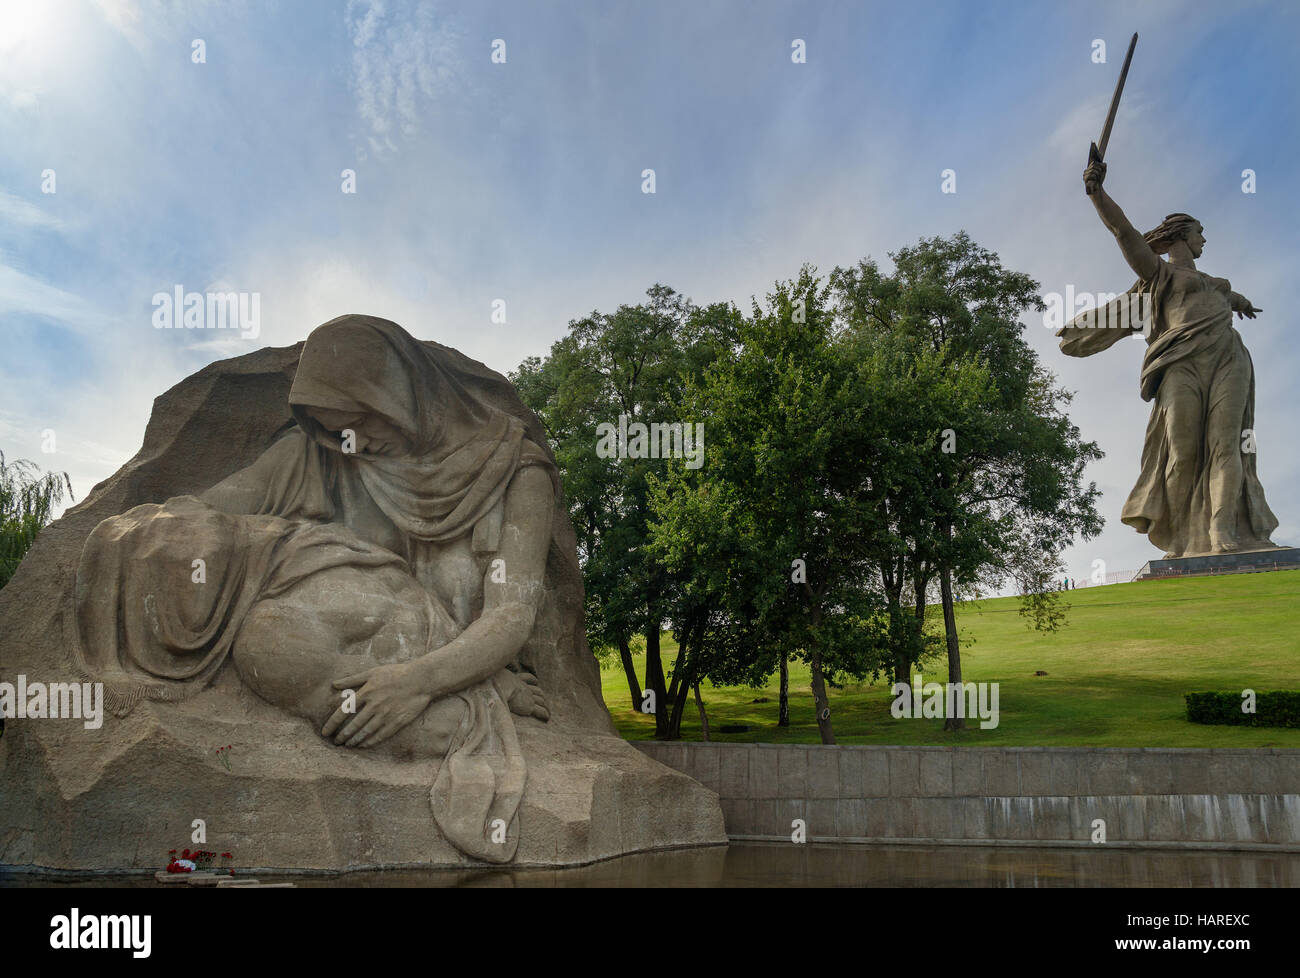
[{"x": 464, "y": 450}]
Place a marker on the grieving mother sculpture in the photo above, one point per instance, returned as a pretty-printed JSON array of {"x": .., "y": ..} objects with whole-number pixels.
[
  {"x": 336, "y": 587},
  {"x": 377, "y": 571}
]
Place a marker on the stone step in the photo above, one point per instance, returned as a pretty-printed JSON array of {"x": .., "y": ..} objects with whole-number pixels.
[
  {"x": 206, "y": 879},
  {"x": 162, "y": 876}
]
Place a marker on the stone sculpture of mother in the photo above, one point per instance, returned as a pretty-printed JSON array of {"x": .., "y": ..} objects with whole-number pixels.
[{"x": 378, "y": 571}]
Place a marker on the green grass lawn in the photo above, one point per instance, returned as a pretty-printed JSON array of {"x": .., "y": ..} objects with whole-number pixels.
[{"x": 1116, "y": 673}]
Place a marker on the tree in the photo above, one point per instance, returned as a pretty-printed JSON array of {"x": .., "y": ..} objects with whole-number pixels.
[
  {"x": 916, "y": 394},
  {"x": 632, "y": 363},
  {"x": 1009, "y": 494},
  {"x": 771, "y": 540},
  {"x": 720, "y": 584},
  {"x": 27, "y": 502}
]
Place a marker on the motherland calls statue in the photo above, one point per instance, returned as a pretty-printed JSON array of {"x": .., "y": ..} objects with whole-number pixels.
[
  {"x": 381, "y": 591},
  {"x": 1198, "y": 492}
]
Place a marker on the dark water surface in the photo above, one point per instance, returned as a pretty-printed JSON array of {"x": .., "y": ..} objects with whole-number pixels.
[{"x": 789, "y": 865}]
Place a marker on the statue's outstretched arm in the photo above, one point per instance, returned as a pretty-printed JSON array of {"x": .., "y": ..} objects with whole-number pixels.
[
  {"x": 1243, "y": 307},
  {"x": 1132, "y": 245}
]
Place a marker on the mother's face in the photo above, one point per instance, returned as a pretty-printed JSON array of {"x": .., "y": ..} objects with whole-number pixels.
[{"x": 374, "y": 435}]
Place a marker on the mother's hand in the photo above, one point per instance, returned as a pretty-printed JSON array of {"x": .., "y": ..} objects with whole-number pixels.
[
  {"x": 388, "y": 698},
  {"x": 523, "y": 694}
]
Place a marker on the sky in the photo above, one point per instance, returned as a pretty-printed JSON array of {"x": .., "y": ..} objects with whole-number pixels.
[{"x": 219, "y": 167}]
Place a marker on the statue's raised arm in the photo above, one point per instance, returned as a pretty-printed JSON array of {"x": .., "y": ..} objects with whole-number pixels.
[{"x": 1132, "y": 245}]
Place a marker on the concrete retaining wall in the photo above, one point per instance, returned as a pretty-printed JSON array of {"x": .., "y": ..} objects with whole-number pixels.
[{"x": 1046, "y": 796}]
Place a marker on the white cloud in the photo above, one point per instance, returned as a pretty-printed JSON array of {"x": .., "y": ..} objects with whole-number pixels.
[
  {"x": 23, "y": 293},
  {"x": 402, "y": 64},
  {"x": 16, "y": 211}
]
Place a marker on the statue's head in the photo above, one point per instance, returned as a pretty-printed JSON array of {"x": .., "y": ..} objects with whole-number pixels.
[
  {"x": 374, "y": 434},
  {"x": 400, "y": 397},
  {"x": 352, "y": 375},
  {"x": 1174, "y": 229}
]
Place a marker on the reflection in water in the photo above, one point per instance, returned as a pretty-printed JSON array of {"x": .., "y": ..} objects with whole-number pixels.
[
  {"x": 789, "y": 865},
  {"x": 786, "y": 865}
]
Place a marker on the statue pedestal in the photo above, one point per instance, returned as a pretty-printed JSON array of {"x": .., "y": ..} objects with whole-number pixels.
[
  {"x": 1244, "y": 562},
  {"x": 118, "y": 798}
]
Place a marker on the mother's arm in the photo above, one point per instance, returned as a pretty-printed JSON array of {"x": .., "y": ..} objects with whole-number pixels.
[
  {"x": 1132, "y": 245},
  {"x": 395, "y": 694},
  {"x": 509, "y": 607}
]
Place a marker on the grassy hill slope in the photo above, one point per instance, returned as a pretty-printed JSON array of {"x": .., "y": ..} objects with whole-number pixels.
[{"x": 1116, "y": 673}]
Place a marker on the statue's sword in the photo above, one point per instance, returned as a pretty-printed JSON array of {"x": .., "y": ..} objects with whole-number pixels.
[
  {"x": 1079, "y": 337},
  {"x": 1099, "y": 147}
]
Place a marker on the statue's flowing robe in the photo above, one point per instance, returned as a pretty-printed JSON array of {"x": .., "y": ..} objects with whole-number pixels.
[
  {"x": 1206, "y": 352},
  {"x": 163, "y": 588},
  {"x": 150, "y": 634}
]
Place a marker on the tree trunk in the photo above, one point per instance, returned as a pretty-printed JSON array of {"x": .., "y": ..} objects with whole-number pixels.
[
  {"x": 902, "y": 654},
  {"x": 900, "y": 668},
  {"x": 919, "y": 586},
  {"x": 633, "y": 684},
  {"x": 892, "y": 577},
  {"x": 820, "y": 703},
  {"x": 654, "y": 680},
  {"x": 783, "y": 700},
  {"x": 918, "y": 610},
  {"x": 676, "y": 692},
  {"x": 679, "y": 708},
  {"x": 954, "y": 647},
  {"x": 699, "y": 705}
]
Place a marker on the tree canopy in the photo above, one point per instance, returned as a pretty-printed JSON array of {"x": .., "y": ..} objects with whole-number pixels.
[
  {"x": 871, "y": 438},
  {"x": 27, "y": 502}
]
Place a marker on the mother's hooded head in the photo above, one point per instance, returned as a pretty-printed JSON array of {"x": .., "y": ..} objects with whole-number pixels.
[
  {"x": 431, "y": 448},
  {"x": 369, "y": 375}
]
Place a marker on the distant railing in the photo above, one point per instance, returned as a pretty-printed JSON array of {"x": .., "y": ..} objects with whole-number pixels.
[
  {"x": 1126, "y": 576},
  {"x": 1113, "y": 577},
  {"x": 1256, "y": 568}
]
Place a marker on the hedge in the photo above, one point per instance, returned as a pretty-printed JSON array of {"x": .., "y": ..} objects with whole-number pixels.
[{"x": 1279, "y": 708}]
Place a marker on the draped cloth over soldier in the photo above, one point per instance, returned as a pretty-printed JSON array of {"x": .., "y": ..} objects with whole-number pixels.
[{"x": 149, "y": 634}]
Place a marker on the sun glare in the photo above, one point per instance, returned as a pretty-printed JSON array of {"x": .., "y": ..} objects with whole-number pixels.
[{"x": 26, "y": 27}]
